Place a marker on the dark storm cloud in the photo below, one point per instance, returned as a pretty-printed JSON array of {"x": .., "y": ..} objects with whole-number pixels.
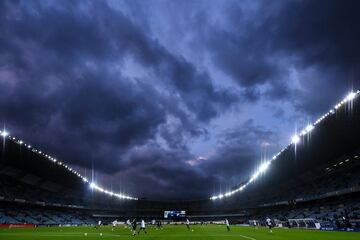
[
  {"x": 241, "y": 149},
  {"x": 260, "y": 47},
  {"x": 127, "y": 87},
  {"x": 321, "y": 32},
  {"x": 163, "y": 172},
  {"x": 60, "y": 82},
  {"x": 324, "y": 36},
  {"x": 166, "y": 176}
]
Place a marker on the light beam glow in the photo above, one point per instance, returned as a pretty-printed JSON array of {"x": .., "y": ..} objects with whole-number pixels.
[
  {"x": 4, "y": 133},
  {"x": 295, "y": 139}
]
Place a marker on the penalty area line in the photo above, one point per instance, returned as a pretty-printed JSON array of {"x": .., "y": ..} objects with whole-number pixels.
[{"x": 247, "y": 237}]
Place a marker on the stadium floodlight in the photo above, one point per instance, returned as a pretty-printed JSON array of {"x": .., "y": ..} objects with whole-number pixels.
[
  {"x": 295, "y": 139},
  {"x": 309, "y": 128},
  {"x": 264, "y": 167},
  {"x": 254, "y": 177},
  {"x": 92, "y": 185},
  {"x": 350, "y": 96},
  {"x": 4, "y": 133}
]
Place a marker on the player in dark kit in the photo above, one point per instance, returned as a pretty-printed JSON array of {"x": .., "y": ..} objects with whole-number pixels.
[
  {"x": 158, "y": 225},
  {"x": 134, "y": 225}
]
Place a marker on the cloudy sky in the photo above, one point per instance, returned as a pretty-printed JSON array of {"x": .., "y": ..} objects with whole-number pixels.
[{"x": 172, "y": 99}]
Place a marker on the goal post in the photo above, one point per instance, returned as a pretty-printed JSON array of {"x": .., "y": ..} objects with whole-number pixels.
[{"x": 305, "y": 223}]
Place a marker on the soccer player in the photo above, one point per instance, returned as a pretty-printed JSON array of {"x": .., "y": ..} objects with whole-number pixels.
[
  {"x": 255, "y": 224},
  {"x": 114, "y": 224},
  {"x": 98, "y": 225},
  {"x": 142, "y": 227},
  {"x": 159, "y": 225},
  {"x": 269, "y": 223},
  {"x": 227, "y": 224},
  {"x": 188, "y": 224},
  {"x": 134, "y": 225}
]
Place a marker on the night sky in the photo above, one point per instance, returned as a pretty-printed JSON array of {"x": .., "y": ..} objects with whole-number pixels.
[{"x": 172, "y": 99}]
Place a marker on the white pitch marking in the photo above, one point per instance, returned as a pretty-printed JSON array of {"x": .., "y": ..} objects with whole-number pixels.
[{"x": 247, "y": 237}]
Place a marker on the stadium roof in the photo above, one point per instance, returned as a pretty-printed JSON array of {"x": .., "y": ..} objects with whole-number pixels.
[{"x": 333, "y": 135}]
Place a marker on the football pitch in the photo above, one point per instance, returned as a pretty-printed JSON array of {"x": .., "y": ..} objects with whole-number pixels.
[{"x": 214, "y": 232}]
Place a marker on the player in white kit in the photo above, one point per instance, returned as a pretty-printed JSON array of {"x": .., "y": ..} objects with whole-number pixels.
[
  {"x": 98, "y": 225},
  {"x": 269, "y": 224},
  {"x": 227, "y": 224},
  {"x": 188, "y": 224},
  {"x": 142, "y": 226},
  {"x": 114, "y": 223}
]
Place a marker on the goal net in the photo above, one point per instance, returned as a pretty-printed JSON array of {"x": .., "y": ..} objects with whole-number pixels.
[{"x": 307, "y": 223}]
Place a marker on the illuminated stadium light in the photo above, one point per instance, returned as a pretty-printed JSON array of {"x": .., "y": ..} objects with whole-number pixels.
[
  {"x": 254, "y": 177},
  {"x": 264, "y": 167},
  {"x": 4, "y": 133},
  {"x": 294, "y": 140},
  {"x": 350, "y": 96},
  {"x": 309, "y": 128},
  {"x": 100, "y": 189}
]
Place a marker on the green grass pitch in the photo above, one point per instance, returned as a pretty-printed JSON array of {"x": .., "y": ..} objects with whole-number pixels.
[{"x": 214, "y": 232}]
